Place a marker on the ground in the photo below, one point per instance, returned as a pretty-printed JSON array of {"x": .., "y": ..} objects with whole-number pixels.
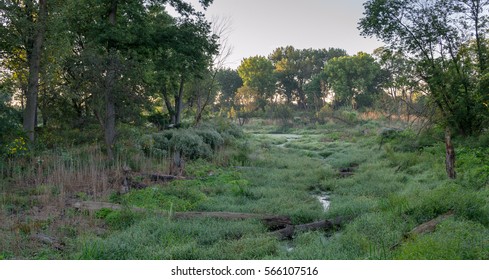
[{"x": 383, "y": 188}]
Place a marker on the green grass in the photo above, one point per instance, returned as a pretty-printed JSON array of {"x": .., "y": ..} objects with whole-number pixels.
[
  {"x": 159, "y": 238},
  {"x": 391, "y": 189}
]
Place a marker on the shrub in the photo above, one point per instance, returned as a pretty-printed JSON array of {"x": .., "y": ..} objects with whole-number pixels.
[
  {"x": 211, "y": 137},
  {"x": 189, "y": 144}
]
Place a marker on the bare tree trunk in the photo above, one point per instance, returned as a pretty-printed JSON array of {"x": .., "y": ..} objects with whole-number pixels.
[
  {"x": 450, "y": 155},
  {"x": 34, "y": 61},
  {"x": 201, "y": 107},
  {"x": 110, "y": 110}
]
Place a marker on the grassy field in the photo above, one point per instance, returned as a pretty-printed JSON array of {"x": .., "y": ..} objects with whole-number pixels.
[{"x": 384, "y": 191}]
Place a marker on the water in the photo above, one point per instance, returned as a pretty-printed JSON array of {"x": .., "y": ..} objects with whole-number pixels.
[{"x": 325, "y": 201}]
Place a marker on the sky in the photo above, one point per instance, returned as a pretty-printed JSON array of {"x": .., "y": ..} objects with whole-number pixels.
[{"x": 260, "y": 26}]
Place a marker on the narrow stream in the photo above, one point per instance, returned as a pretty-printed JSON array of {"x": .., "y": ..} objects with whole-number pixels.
[{"x": 323, "y": 198}]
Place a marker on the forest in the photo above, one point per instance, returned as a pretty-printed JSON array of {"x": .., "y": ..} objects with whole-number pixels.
[{"x": 125, "y": 135}]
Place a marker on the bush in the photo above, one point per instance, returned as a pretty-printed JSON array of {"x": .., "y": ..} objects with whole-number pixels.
[
  {"x": 211, "y": 137},
  {"x": 189, "y": 144},
  {"x": 12, "y": 140},
  {"x": 192, "y": 143}
]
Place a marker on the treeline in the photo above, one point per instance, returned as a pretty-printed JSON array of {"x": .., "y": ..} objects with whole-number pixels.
[{"x": 321, "y": 80}]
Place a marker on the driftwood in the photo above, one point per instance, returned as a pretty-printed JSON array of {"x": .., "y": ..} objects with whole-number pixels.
[{"x": 273, "y": 222}]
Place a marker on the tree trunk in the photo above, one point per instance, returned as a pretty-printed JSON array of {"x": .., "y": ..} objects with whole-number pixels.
[
  {"x": 111, "y": 80},
  {"x": 34, "y": 60},
  {"x": 179, "y": 102},
  {"x": 201, "y": 107},
  {"x": 168, "y": 104},
  {"x": 449, "y": 155}
]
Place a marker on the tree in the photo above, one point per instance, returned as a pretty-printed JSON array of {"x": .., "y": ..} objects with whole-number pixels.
[
  {"x": 186, "y": 56},
  {"x": 257, "y": 75},
  {"x": 401, "y": 84},
  {"x": 294, "y": 69},
  {"x": 24, "y": 26},
  {"x": 355, "y": 80},
  {"x": 207, "y": 87},
  {"x": 229, "y": 82},
  {"x": 436, "y": 33},
  {"x": 132, "y": 49}
]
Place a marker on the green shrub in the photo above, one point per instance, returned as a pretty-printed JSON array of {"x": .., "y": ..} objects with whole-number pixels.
[
  {"x": 211, "y": 137},
  {"x": 190, "y": 145}
]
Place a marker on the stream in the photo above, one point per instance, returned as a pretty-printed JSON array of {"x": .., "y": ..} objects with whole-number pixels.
[{"x": 323, "y": 198}]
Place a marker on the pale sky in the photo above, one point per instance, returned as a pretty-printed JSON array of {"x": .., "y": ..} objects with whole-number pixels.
[{"x": 260, "y": 26}]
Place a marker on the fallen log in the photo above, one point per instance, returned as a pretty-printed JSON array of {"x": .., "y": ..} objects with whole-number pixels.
[
  {"x": 272, "y": 222},
  {"x": 48, "y": 240},
  {"x": 164, "y": 178},
  {"x": 325, "y": 225},
  {"x": 427, "y": 227}
]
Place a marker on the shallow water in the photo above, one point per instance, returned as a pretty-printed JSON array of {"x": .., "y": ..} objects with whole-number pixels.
[{"x": 325, "y": 201}]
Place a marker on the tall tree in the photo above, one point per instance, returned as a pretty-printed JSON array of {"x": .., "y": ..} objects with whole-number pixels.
[
  {"x": 295, "y": 68},
  {"x": 257, "y": 74},
  {"x": 229, "y": 82},
  {"x": 355, "y": 80},
  {"x": 23, "y": 29},
  {"x": 435, "y": 33},
  {"x": 401, "y": 84},
  {"x": 132, "y": 47}
]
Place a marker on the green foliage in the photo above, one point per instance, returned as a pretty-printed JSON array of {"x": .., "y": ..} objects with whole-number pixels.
[
  {"x": 159, "y": 120},
  {"x": 257, "y": 75},
  {"x": 406, "y": 140},
  {"x": 453, "y": 77},
  {"x": 189, "y": 145},
  {"x": 12, "y": 140},
  {"x": 295, "y": 67},
  {"x": 175, "y": 197},
  {"x": 120, "y": 220},
  {"x": 355, "y": 79},
  {"x": 211, "y": 137},
  {"x": 192, "y": 143},
  {"x": 473, "y": 166},
  {"x": 229, "y": 83}
]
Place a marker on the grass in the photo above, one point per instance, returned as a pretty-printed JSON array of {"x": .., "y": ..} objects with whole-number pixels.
[{"x": 391, "y": 189}]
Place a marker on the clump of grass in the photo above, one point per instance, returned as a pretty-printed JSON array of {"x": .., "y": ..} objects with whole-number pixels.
[
  {"x": 180, "y": 198},
  {"x": 156, "y": 238},
  {"x": 453, "y": 240},
  {"x": 427, "y": 204}
]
